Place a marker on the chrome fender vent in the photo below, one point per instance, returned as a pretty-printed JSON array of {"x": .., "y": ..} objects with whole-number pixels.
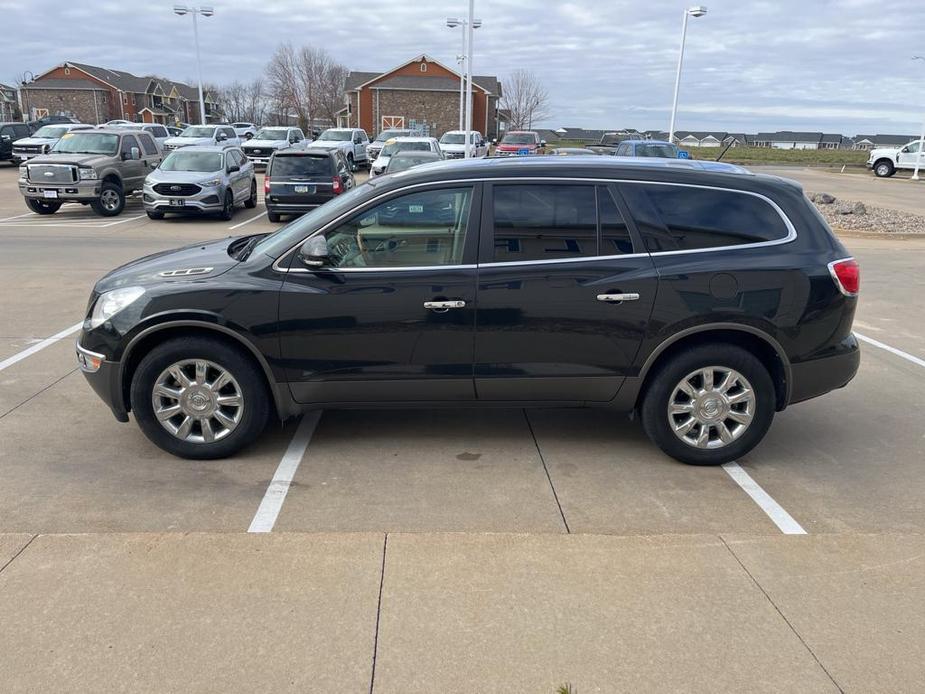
[{"x": 185, "y": 272}]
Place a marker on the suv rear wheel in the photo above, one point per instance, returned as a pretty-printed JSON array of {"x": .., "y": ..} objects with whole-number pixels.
[
  {"x": 884, "y": 168},
  {"x": 199, "y": 397},
  {"x": 42, "y": 206},
  {"x": 111, "y": 201},
  {"x": 709, "y": 405}
]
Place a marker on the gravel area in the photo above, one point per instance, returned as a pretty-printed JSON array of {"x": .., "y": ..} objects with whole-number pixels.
[{"x": 878, "y": 220}]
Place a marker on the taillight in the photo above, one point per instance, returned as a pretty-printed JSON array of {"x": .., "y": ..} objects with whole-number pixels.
[
  {"x": 338, "y": 186},
  {"x": 847, "y": 275},
  {"x": 266, "y": 185}
]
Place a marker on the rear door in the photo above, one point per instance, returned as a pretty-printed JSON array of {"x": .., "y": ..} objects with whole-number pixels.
[{"x": 565, "y": 293}]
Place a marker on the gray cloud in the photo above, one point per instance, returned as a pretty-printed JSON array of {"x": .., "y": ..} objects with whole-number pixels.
[{"x": 834, "y": 65}]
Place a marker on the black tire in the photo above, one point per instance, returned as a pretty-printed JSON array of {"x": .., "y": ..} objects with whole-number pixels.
[
  {"x": 274, "y": 217},
  {"x": 155, "y": 214},
  {"x": 111, "y": 201},
  {"x": 251, "y": 202},
  {"x": 249, "y": 378},
  {"x": 883, "y": 168},
  {"x": 654, "y": 409},
  {"x": 228, "y": 208},
  {"x": 42, "y": 206},
  {"x": 351, "y": 162}
]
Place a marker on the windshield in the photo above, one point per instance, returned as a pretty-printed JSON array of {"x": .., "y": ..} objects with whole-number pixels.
[
  {"x": 336, "y": 136},
  {"x": 650, "y": 150},
  {"x": 518, "y": 139},
  {"x": 281, "y": 241},
  {"x": 389, "y": 134},
  {"x": 288, "y": 166},
  {"x": 50, "y": 131},
  {"x": 87, "y": 143},
  {"x": 198, "y": 131},
  {"x": 408, "y": 161},
  {"x": 272, "y": 134},
  {"x": 391, "y": 149},
  {"x": 192, "y": 161},
  {"x": 453, "y": 139}
]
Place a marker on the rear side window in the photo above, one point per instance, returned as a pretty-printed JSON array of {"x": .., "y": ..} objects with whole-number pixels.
[
  {"x": 544, "y": 222},
  {"x": 301, "y": 165},
  {"x": 148, "y": 143},
  {"x": 684, "y": 218}
]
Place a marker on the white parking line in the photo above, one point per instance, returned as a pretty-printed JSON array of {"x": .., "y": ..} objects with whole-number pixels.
[
  {"x": 273, "y": 499},
  {"x": 39, "y": 346},
  {"x": 20, "y": 216},
  {"x": 892, "y": 350},
  {"x": 252, "y": 219},
  {"x": 774, "y": 510}
]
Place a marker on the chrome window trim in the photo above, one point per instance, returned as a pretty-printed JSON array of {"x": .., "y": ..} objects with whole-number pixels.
[{"x": 791, "y": 230}]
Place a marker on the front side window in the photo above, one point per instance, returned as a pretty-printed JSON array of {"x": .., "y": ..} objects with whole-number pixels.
[
  {"x": 129, "y": 141},
  {"x": 544, "y": 222},
  {"x": 683, "y": 218},
  {"x": 420, "y": 229}
]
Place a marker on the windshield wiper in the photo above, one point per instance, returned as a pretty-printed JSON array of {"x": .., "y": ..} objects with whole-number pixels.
[{"x": 244, "y": 251}]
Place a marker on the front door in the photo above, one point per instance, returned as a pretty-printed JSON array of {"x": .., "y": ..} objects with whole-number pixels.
[
  {"x": 565, "y": 294},
  {"x": 908, "y": 155},
  {"x": 390, "y": 316},
  {"x": 133, "y": 170}
]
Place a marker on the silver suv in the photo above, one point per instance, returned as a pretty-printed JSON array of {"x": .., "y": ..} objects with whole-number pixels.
[{"x": 201, "y": 179}]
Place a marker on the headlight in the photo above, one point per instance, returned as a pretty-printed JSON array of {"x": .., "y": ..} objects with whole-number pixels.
[
  {"x": 23, "y": 171},
  {"x": 87, "y": 174},
  {"x": 110, "y": 303},
  {"x": 45, "y": 149},
  {"x": 211, "y": 182}
]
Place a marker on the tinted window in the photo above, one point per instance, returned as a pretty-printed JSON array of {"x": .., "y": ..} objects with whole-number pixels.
[
  {"x": 674, "y": 218},
  {"x": 7, "y": 130},
  {"x": 300, "y": 165},
  {"x": 22, "y": 130},
  {"x": 615, "y": 237},
  {"x": 148, "y": 143},
  {"x": 544, "y": 222},
  {"x": 417, "y": 229},
  {"x": 159, "y": 131}
]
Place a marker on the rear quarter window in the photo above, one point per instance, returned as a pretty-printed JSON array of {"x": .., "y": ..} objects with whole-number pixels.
[{"x": 686, "y": 218}]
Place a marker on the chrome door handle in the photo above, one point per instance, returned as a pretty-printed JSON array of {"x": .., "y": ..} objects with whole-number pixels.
[
  {"x": 442, "y": 306},
  {"x": 618, "y": 298}
]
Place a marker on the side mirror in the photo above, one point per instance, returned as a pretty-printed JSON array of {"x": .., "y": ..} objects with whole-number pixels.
[
  {"x": 234, "y": 168},
  {"x": 314, "y": 252},
  {"x": 222, "y": 137},
  {"x": 494, "y": 142},
  {"x": 905, "y": 150},
  {"x": 542, "y": 143}
]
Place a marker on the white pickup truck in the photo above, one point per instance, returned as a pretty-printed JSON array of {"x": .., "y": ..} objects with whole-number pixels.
[
  {"x": 885, "y": 161},
  {"x": 351, "y": 141}
]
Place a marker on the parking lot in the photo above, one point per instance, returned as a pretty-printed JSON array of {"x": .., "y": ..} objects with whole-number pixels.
[{"x": 451, "y": 550}]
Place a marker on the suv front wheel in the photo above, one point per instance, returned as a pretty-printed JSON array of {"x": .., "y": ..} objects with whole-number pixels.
[
  {"x": 43, "y": 206},
  {"x": 111, "y": 201},
  {"x": 709, "y": 405}
]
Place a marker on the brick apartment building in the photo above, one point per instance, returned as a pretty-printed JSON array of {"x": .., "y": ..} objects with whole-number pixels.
[
  {"x": 96, "y": 95},
  {"x": 421, "y": 93}
]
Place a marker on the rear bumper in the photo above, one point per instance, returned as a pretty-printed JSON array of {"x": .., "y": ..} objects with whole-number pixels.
[
  {"x": 816, "y": 377},
  {"x": 292, "y": 208}
]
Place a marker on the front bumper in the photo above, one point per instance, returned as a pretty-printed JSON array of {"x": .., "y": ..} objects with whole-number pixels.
[
  {"x": 258, "y": 159},
  {"x": 817, "y": 377},
  {"x": 105, "y": 378},
  {"x": 82, "y": 191},
  {"x": 206, "y": 200}
]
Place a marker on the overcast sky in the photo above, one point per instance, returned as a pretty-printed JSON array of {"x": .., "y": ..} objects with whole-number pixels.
[{"x": 750, "y": 65}]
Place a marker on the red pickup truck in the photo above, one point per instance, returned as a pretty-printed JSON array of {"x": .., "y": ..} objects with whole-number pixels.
[{"x": 520, "y": 143}]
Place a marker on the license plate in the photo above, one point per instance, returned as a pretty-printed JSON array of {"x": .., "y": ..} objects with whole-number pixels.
[
  {"x": 523, "y": 152},
  {"x": 50, "y": 193},
  {"x": 177, "y": 203},
  {"x": 305, "y": 189}
]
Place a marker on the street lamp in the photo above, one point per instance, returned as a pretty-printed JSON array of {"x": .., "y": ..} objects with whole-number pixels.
[
  {"x": 205, "y": 12},
  {"x": 918, "y": 159},
  {"x": 696, "y": 11},
  {"x": 452, "y": 23}
]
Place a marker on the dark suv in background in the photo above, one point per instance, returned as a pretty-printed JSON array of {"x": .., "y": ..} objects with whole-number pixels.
[
  {"x": 702, "y": 300},
  {"x": 9, "y": 133},
  {"x": 298, "y": 180}
]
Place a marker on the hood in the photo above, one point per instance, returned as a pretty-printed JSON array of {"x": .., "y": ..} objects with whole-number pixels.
[
  {"x": 36, "y": 141},
  {"x": 159, "y": 176},
  {"x": 513, "y": 148},
  {"x": 208, "y": 259},
  {"x": 251, "y": 145},
  {"x": 884, "y": 152},
  {"x": 90, "y": 160},
  {"x": 187, "y": 141}
]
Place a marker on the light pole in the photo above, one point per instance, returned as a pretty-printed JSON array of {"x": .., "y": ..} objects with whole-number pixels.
[
  {"x": 452, "y": 23},
  {"x": 918, "y": 159},
  {"x": 696, "y": 11},
  {"x": 205, "y": 12}
]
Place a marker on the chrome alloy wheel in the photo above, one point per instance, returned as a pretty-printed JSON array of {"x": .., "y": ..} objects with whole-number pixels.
[
  {"x": 109, "y": 199},
  {"x": 711, "y": 407},
  {"x": 197, "y": 401}
]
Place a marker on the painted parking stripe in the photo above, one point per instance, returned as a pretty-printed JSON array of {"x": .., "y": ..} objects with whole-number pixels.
[
  {"x": 892, "y": 350},
  {"x": 774, "y": 510},
  {"x": 39, "y": 346},
  {"x": 248, "y": 221},
  {"x": 20, "y": 216},
  {"x": 273, "y": 499}
]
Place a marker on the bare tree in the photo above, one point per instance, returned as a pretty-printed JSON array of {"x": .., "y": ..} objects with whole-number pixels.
[
  {"x": 525, "y": 98},
  {"x": 307, "y": 82},
  {"x": 242, "y": 102}
]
